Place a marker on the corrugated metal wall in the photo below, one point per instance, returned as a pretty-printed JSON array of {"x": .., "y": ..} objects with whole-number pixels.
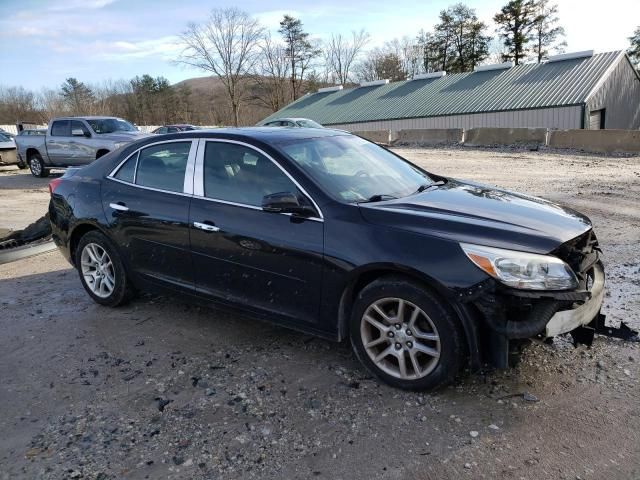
[
  {"x": 619, "y": 95},
  {"x": 560, "y": 117}
]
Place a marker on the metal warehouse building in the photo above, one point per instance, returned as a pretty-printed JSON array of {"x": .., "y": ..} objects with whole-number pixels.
[{"x": 570, "y": 91}]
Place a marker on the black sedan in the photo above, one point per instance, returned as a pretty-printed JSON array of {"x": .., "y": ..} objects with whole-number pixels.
[{"x": 327, "y": 233}]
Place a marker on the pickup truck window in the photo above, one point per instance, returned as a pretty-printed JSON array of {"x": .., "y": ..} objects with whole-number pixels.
[
  {"x": 110, "y": 125},
  {"x": 78, "y": 125},
  {"x": 61, "y": 128}
]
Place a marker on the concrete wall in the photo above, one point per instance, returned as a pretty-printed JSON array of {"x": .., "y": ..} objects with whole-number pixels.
[
  {"x": 605, "y": 141},
  {"x": 505, "y": 136},
  {"x": 619, "y": 96},
  {"x": 435, "y": 136},
  {"x": 561, "y": 117},
  {"x": 378, "y": 136}
]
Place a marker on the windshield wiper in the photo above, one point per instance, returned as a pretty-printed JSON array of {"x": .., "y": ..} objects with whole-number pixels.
[
  {"x": 427, "y": 186},
  {"x": 378, "y": 198}
]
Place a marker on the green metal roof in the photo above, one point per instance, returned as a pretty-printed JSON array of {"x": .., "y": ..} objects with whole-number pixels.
[{"x": 523, "y": 87}]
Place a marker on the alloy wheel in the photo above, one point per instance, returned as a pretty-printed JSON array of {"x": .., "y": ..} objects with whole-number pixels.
[
  {"x": 400, "y": 338},
  {"x": 97, "y": 270},
  {"x": 36, "y": 168}
]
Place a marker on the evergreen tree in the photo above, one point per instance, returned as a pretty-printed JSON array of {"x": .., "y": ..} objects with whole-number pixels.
[
  {"x": 516, "y": 21},
  {"x": 78, "y": 97},
  {"x": 300, "y": 51},
  {"x": 547, "y": 34},
  {"x": 634, "y": 49}
]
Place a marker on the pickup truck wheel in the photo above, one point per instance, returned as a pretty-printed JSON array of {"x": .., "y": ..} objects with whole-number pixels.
[
  {"x": 405, "y": 335},
  {"x": 22, "y": 165},
  {"x": 37, "y": 166}
]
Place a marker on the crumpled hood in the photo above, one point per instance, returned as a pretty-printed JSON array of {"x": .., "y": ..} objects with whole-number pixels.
[{"x": 472, "y": 213}]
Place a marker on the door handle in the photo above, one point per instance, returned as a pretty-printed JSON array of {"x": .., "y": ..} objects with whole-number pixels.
[
  {"x": 119, "y": 206},
  {"x": 207, "y": 226}
]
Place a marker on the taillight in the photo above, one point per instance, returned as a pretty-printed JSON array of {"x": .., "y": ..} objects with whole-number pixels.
[{"x": 53, "y": 184}]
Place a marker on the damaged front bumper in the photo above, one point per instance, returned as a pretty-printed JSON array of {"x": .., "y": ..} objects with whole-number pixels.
[{"x": 564, "y": 321}]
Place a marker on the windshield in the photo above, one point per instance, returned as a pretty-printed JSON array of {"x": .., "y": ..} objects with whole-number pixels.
[
  {"x": 308, "y": 123},
  {"x": 4, "y": 138},
  {"x": 354, "y": 170},
  {"x": 110, "y": 125}
]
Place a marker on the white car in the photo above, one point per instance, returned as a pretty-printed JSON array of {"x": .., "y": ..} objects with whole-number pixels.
[
  {"x": 8, "y": 152},
  {"x": 292, "y": 122}
]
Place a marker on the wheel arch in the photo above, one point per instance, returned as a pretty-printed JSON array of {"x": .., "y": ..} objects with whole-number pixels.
[
  {"x": 102, "y": 152},
  {"x": 77, "y": 233},
  {"x": 30, "y": 151},
  {"x": 363, "y": 276}
]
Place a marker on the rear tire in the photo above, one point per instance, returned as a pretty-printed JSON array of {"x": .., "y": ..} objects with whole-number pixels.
[
  {"x": 36, "y": 164},
  {"x": 395, "y": 321},
  {"x": 22, "y": 165},
  {"x": 101, "y": 271}
]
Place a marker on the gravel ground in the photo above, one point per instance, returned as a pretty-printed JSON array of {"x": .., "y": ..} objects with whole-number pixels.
[{"x": 162, "y": 389}]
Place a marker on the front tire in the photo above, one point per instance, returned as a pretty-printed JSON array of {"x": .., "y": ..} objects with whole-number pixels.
[
  {"x": 406, "y": 335},
  {"x": 101, "y": 271},
  {"x": 36, "y": 165}
]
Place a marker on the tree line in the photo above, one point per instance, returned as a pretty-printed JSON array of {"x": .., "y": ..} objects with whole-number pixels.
[{"x": 257, "y": 73}]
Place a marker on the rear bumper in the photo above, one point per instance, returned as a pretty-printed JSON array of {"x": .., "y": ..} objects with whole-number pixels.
[{"x": 565, "y": 321}]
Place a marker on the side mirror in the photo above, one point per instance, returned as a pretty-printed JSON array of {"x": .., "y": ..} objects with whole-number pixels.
[{"x": 285, "y": 202}]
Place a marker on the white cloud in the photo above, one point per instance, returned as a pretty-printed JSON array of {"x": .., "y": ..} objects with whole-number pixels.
[
  {"x": 164, "y": 48},
  {"x": 67, "y": 5}
]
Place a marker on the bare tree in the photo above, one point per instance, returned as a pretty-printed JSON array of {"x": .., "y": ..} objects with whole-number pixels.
[
  {"x": 225, "y": 45},
  {"x": 341, "y": 53},
  {"x": 16, "y": 103},
  {"x": 272, "y": 73},
  {"x": 379, "y": 64}
]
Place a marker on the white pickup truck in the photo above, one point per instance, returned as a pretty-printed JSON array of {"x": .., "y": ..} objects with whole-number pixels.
[{"x": 74, "y": 141}]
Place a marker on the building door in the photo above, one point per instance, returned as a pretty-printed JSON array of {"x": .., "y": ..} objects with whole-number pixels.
[{"x": 596, "y": 120}]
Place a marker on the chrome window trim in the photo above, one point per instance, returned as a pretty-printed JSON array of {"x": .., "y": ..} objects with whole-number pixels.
[
  {"x": 182, "y": 194},
  {"x": 187, "y": 187},
  {"x": 198, "y": 187}
]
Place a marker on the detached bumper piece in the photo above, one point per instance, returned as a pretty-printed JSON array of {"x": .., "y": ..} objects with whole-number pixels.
[{"x": 584, "y": 334}]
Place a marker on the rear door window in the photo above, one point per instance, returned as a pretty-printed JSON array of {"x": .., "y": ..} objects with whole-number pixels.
[
  {"x": 163, "y": 166},
  {"x": 61, "y": 128}
]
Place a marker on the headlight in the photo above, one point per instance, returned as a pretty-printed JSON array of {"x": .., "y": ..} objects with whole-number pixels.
[
  {"x": 522, "y": 270},
  {"x": 117, "y": 145}
]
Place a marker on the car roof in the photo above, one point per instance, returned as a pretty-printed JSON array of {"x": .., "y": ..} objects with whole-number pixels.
[
  {"x": 267, "y": 134},
  {"x": 295, "y": 119},
  {"x": 88, "y": 117}
]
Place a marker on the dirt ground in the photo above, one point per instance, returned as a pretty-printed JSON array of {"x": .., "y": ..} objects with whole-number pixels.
[{"x": 163, "y": 389}]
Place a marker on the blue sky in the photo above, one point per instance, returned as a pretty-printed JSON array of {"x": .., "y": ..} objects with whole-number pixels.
[{"x": 45, "y": 42}]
